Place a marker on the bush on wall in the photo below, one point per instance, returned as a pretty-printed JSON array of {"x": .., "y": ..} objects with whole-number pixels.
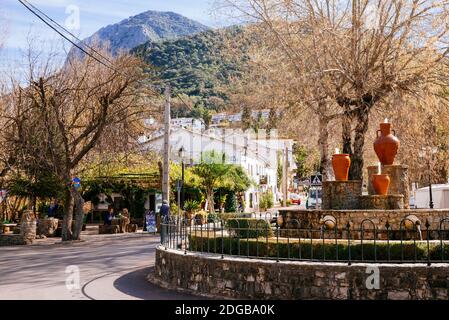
[
  {"x": 249, "y": 228},
  {"x": 317, "y": 250}
]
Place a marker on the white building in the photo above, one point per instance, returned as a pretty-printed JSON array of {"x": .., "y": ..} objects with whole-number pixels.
[
  {"x": 188, "y": 123},
  {"x": 218, "y": 118},
  {"x": 257, "y": 155}
]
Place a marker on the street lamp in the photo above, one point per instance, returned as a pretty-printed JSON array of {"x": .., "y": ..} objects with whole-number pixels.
[{"x": 428, "y": 152}]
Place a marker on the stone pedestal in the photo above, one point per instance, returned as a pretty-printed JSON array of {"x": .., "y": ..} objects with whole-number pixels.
[
  {"x": 399, "y": 181},
  {"x": 47, "y": 227},
  {"x": 132, "y": 228},
  {"x": 340, "y": 195},
  {"x": 105, "y": 229},
  {"x": 376, "y": 202},
  {"x": 28, "y": 231}
]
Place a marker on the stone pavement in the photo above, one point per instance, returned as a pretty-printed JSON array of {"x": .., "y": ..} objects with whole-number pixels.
[{"x": 111, "y": 267}]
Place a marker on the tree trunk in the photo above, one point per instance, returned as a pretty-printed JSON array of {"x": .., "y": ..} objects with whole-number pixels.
[
  {"x": 79, "y": 214},
  {"x": 34, "y": 205},
  {"x": 346, "y": 131},
  {"x": 362, "y": 118},
  {"x": 68, "y": 216},
  {"x": 210, "y": 200},
  {"x": 323, "y": 143}
]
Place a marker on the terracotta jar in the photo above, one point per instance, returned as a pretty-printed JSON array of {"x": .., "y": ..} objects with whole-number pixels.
[
  {"x": 386, "y": 145},
  {"x": 341, "y": 164},
  {"x": 381, "y": 183}
]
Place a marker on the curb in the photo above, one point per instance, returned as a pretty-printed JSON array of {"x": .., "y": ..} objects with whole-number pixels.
[{"x": 94, "y": 238}]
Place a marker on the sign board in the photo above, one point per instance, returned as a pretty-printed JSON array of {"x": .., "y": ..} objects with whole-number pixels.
[
  {"x": 76, "y": 183},
  {"x": 316, "y": 180},
  {"x": 150, "y": 221},
  {"x": 158, "y": 201},
  {"x": 179, "y": 185}
]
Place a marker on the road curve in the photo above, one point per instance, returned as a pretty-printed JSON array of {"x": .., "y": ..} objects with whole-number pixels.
[{"x": 110, "y": 268}]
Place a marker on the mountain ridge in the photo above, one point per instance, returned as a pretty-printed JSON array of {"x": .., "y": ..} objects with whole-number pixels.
[{"x": 147, "y": 26}]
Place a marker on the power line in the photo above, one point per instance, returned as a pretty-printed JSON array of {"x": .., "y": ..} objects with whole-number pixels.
[
  {"x": 67, "y": 31},
  {"x": 65, "y": 37}
]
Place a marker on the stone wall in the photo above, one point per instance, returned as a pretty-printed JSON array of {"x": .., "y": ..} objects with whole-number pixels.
[
  {"x": 27, "y": 233},
  {"x": 242, "y": 278},
  {"x": 355, "y": 217},
  {"x": 14, "y": 240},
  {"x": 379, "y": 202},
  {"x": 399, "y": 181},
  {"x": 341, "y": 194}
]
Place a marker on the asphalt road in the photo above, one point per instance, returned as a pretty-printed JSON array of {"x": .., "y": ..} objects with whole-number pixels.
[{"x": 110, "y": 268}]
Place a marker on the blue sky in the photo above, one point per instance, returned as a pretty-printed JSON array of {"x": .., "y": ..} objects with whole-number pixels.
[{"x": 21, "y": 25}]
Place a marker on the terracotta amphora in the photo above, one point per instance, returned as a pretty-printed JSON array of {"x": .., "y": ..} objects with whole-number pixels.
[
  {"x": 381, "y": 183},
  {"x": 341, "y": 164},
  {"x": 386, "y": 145}
]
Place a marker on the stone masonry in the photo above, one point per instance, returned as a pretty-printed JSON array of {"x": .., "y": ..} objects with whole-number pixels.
[
  {"x": 241, "y": 278},
  {"x": 388, "y": 202},
  {"x": 339, "y": 195},
  {"x": 14, "y": 240},
  {"x": 399, "y": 181}
]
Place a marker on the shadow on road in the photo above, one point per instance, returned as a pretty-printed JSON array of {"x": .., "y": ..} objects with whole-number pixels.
[{"x": 136, "y": 285}]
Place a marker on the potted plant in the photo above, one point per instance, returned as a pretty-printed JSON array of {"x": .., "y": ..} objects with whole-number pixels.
[
  {"x": 191, "y": 206},
  {"x": 201, "y": 217},
  {"x": 222, "y": 202}
]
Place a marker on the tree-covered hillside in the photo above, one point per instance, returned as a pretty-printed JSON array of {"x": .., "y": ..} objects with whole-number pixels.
[{"x": 198, "y": 66}]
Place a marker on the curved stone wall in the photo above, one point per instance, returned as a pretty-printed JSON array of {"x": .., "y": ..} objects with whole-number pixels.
[
  {"x": 241, "y": 278},
  {"x": 355, "y": 217}
]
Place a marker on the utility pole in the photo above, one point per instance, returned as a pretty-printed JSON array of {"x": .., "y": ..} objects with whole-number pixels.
[
  {"x": 166, "y": 167},
  {"x": 284, "y": 177}
]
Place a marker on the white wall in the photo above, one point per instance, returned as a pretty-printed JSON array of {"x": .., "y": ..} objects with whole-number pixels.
[{"x": 257, "y": 157}]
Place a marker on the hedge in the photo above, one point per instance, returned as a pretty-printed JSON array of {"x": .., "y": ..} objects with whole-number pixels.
[
  {"x": 233, "y": 215},
  {"x": 316, "y": 250},
  {"x": 249, "y": 228}
]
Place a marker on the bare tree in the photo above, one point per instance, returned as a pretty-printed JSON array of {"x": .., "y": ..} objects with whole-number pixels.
[
  {"x": 356, "y": 52},
  {"x": 60, "y": 116},
  {"x": 269, "y": 81}
]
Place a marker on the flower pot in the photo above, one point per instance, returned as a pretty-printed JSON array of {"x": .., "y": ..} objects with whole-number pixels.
[
  {"x": 381, "y": 183},
  {"x": 386, "y": 145},
  {"x": 341, "y": 164}
]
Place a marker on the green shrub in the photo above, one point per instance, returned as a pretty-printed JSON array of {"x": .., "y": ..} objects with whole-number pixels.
[
  {"x": 266, "y": 201},
  {"x": 213, "y": 218},
  {"x": 316, "y": 250},
  {"x": 173, "y": 209},
  {"x": 192, "y": 206},
  {"x": 228, "y": 215},
  {"x": 249, "y": 228},
  {"x": 231, "y": 203}
]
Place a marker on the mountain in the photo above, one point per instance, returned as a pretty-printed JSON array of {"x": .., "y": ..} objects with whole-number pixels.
[
  {"x": 149, "y": 26},
  {"x": 198, "y": 66}
]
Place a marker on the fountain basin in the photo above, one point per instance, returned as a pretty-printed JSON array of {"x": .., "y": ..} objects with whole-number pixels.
[{"x": 298, "y": 219}]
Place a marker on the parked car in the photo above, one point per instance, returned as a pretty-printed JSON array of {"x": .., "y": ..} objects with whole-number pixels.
[
  {"x": 295, "y": 198},
  {"x": 312, "y": 199}
]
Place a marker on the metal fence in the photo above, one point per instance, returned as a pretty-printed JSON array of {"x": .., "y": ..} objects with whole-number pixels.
[{"x": 262, "y": 238}]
